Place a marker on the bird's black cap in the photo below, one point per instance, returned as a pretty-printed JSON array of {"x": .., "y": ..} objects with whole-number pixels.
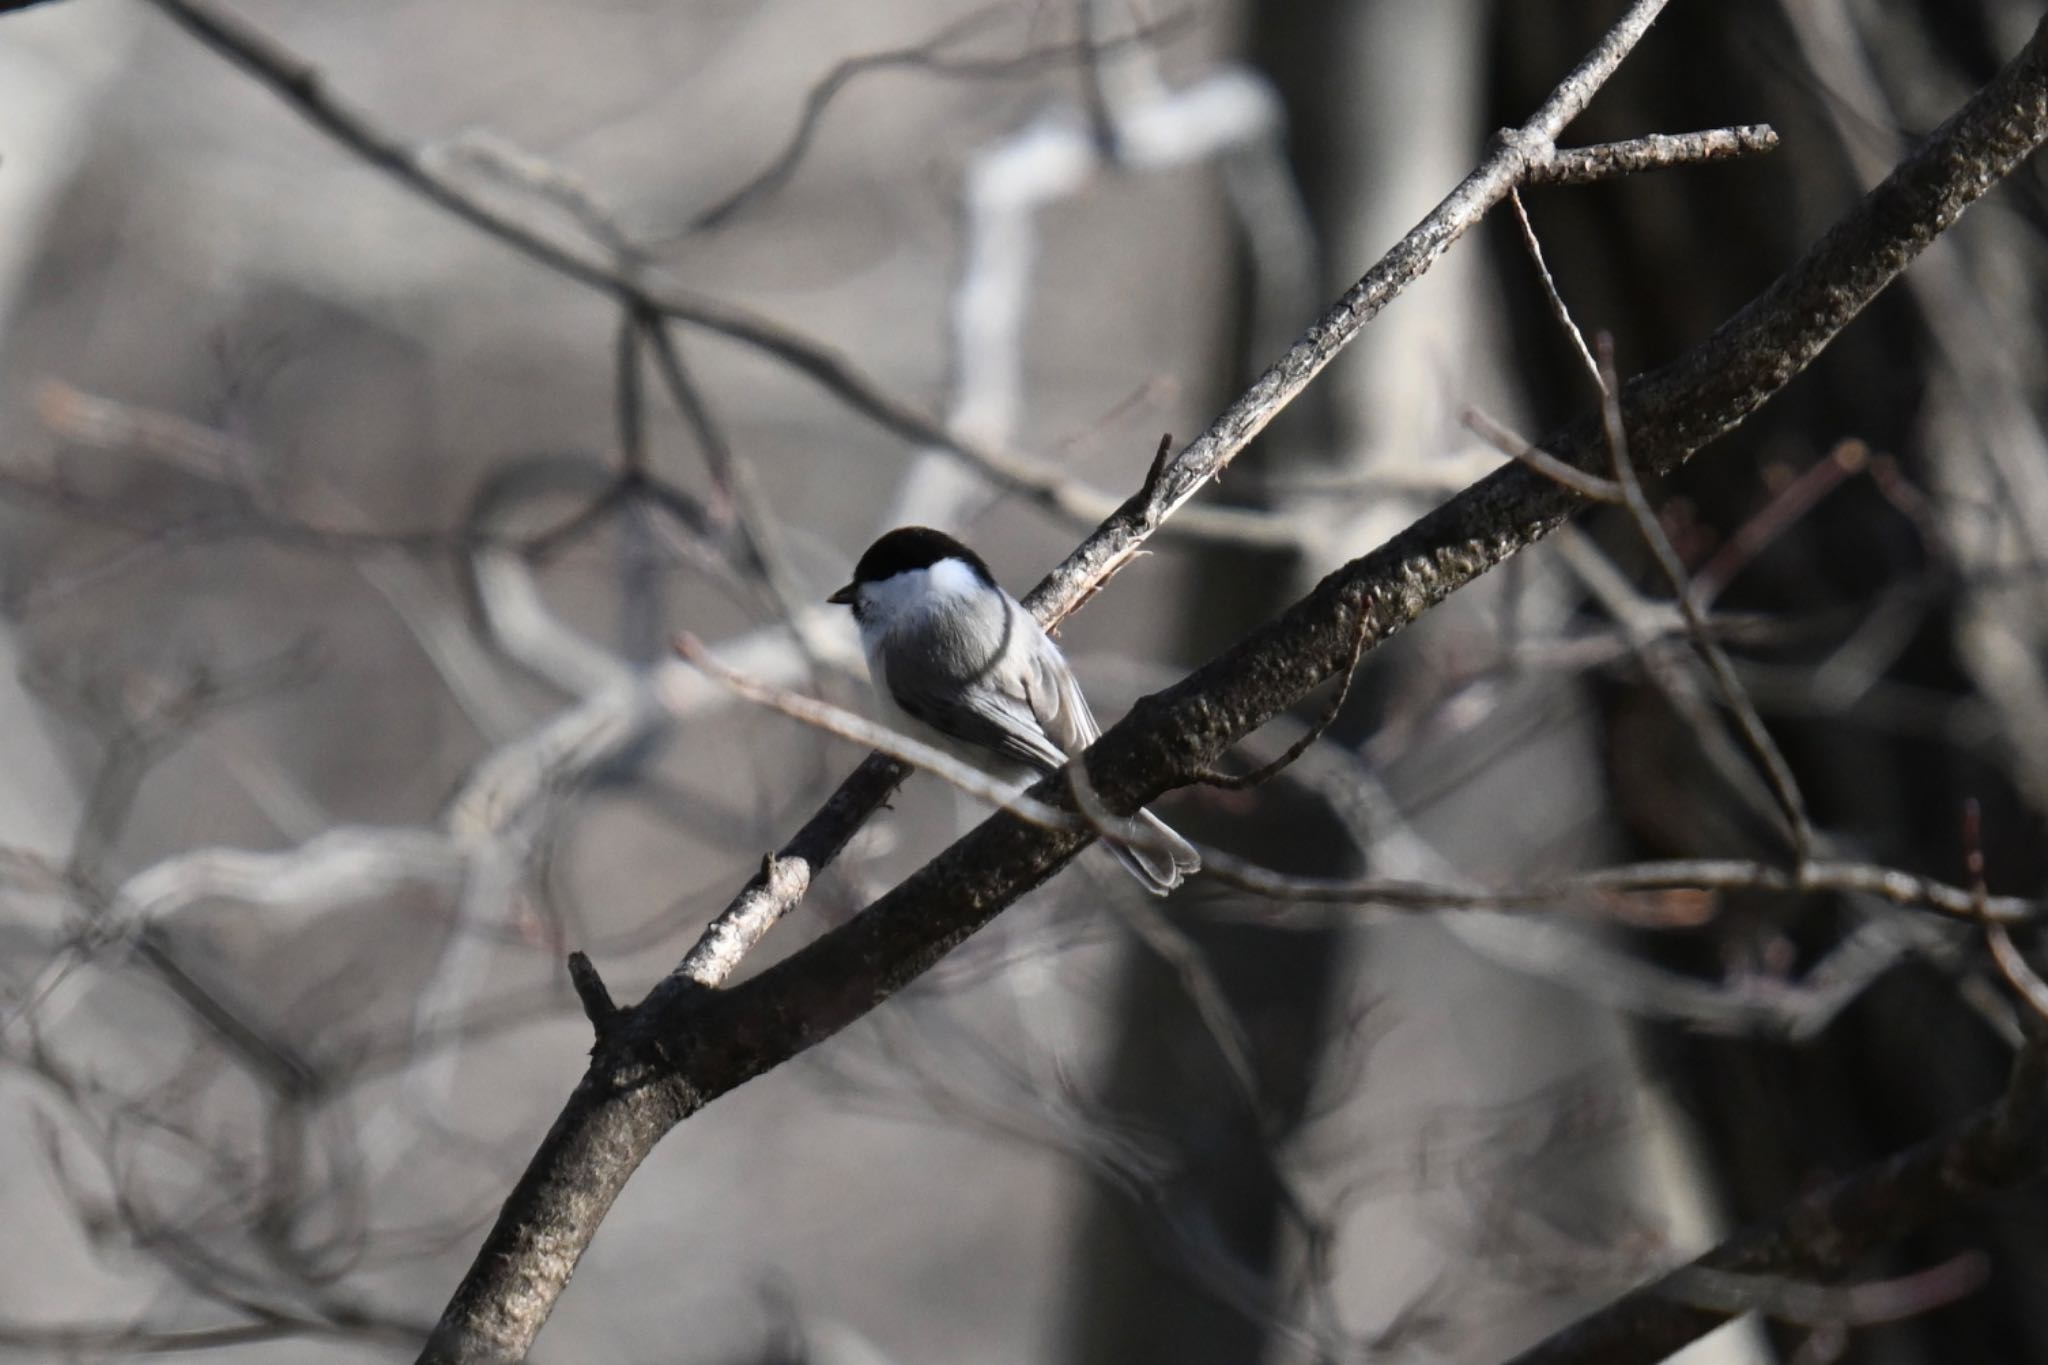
[{"x": 907, "y": 548}]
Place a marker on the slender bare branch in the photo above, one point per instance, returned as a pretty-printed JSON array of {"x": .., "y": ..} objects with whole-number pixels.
[
  {"x": 1591, "y": 487},
  {"x": 930, "y": 58},
  {"x": 1558, "y": 310},
  {"x": 1777, "y": 772},
  {"x": 1793, "y": 501},
  {"x": 1894, "y": 885},
  {"x": 904, "y": 748},
  {"x": 1607, "y": 160}
]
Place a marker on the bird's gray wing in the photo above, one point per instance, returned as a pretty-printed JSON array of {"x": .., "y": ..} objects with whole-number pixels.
[
  {"x": 1055, "y": 698},
  {"x": 989, "y": 717},
  {"x": 1021, "y": 703},
  {"x": 1000, "y": 724}
]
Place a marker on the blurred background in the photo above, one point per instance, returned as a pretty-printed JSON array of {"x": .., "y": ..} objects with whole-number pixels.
[{"x": 341, "y": 547}]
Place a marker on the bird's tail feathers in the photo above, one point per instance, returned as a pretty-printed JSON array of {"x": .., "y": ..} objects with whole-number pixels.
[{"x": 1159, "y": 858}]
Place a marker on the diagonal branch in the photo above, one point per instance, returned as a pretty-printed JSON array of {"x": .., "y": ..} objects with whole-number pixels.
[{"x": 683, "y": 1046}]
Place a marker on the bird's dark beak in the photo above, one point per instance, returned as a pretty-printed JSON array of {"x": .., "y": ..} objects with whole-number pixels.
[{"x": 842, "y": 598}]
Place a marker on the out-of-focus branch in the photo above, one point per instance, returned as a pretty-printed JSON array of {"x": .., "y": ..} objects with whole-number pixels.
[
  {"x": 644, "y": 291},
  {"x": 1895, "y": 886},
  {"x": 907, "y": 749},
  {"x": 1827, "y": 1231},
  {"x": 1627, "y": 490},
  {"x": 1228, "y": 117},
  {"x": 1777, "y": 772},
  {"x": 683, "y": 1046},
  {"x": 931, "y": 58}
]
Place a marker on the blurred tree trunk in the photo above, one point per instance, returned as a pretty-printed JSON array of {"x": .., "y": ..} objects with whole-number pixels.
[{"x": 1390, "y": 104}]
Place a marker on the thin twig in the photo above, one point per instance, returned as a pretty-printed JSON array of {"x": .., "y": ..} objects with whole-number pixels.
[
  {"x": 1607, "y": 160},
  {"x": 630, "y": 406},
  {"x": 1777, "y": 772},
  {"x": 1788, "y": 505},
  {"x": 2012, "y": 964},
  {"x": 2018, "y": 972},
  {"x": 1897, "y": 886},
  {"x": 905, "y": 749},
  {"x": 925, "y": 57},
  {"x": 598, "y": 1006},
  {"x": 1266, "y": 772},
  {"x": 1587, "y": 485},
  {"x": 1534, "y": 247},
  {"x": 733, "y": 476},
  {"x": 1505, "y": 165}
]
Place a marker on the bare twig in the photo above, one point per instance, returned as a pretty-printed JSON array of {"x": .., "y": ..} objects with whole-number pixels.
[
  {"x": 598, "y": 1006},
  {"x": 733, "y": 476},
  {"x": 1798, "y": 497},
  {"x": 491, "y": 154},
  {"x": 2018, "y": 972},
  {"x": 2012, "y": 964},
  {"x": 905, "y": 749},
  {"x": 929, "y": 58},
  {"x": 1607, "y": 160},
  {"x": 1894, "y": 885},
  {"x": 1589, "y": 486},
  {"x": 1751, "y": 725},
  {"x": 1266, "y": 772},
  {"x": 1504, "y": 167},
  {"x": 1558, "y": 310},
  {"x": 628, "y": 401}
]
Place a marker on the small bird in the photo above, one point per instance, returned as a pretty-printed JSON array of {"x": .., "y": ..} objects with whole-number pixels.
[{"x": 949, "y": 648}]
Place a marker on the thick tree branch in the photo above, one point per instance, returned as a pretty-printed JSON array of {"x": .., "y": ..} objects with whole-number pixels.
[{"x": 684, "y": 1046}]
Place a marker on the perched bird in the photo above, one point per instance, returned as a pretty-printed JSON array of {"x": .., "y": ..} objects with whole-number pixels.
[{"x": 949, "y": 648}]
